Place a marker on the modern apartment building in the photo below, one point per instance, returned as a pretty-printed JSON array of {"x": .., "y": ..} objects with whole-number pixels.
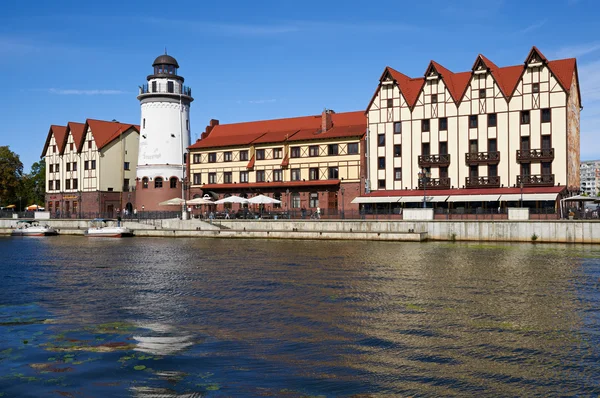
[
  {"x": 90, "y": 167},
  {"x": 590, "y": 177},
  {"x": 306, "y": 162},
  {"x": 488, "y": 130}
]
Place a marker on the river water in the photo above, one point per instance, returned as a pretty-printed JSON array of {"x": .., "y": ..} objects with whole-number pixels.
[{"x": 147, "y": 317}]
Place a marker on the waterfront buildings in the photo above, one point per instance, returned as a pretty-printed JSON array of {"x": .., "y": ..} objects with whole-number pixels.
[
  {"x": 90, "y": 167},
  {"x": 306, "y": 162},
  {"x": 590, "y": 177}
]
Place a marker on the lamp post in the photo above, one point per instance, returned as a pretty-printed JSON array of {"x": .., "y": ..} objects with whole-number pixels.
[
  {"x": 142, "y": 211},
  {"x": 521, "y": 185},
  {"x": 287, "y": 193},
  {"x": 424, "y": 176},
  {"x": 343, "y": 214}
]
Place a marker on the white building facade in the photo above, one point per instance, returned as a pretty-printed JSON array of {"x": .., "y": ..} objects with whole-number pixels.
[{"x": 590, "y": 177}]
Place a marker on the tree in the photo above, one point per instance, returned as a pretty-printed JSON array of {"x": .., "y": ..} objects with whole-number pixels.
[
  {"x": 11, "y": 172},
  {"x": 33, "y": 185}
]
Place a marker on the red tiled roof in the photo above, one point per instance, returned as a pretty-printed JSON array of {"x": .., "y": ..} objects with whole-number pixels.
[
  {"x": 78, "y": 132},
  {"x": 281, "y": 130},
  {"x": 60, "y": 133},
  {"x": 105, "y": 132},
  {"x": 282, "y": 185},
  {"x": 455, "y": 82},
  {"x": 466, "y": 191},
  {"x": 563, "y": 70},
  {"x": 410, "y": 88}
]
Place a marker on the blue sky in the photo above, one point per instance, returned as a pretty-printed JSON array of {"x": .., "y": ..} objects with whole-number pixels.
[{"x": 69, "y": 60}]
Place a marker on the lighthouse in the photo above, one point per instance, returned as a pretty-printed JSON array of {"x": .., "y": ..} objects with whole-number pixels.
[{"x": 164, "y": 136}]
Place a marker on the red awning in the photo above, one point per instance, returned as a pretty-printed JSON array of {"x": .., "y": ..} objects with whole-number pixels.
[
  {"x": 286, "y": 161},
  {"x": 280, "y": 185},
  {"x": 251, "y": 163}
]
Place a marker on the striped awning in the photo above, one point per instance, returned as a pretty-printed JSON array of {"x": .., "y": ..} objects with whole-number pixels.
[
  {"x": 376, "y": 199},
  {"x": 513, "y": 197},
  {"x": 474, "y": 198}
]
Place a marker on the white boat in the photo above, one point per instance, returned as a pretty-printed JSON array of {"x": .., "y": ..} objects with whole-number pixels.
[
  {"x": 102, "y": 227},
  {"x": 32, "y": 228}
]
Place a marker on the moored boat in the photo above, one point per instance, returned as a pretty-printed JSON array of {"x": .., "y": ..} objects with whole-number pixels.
[
  {"x": 106, "y": 228},
  {"x": 32, "y": 228}
]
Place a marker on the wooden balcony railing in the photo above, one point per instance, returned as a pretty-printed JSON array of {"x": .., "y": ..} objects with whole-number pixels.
[
  {"x": 482, "y": 182},
  {"x": 536, "y": 180},
  {"x": 431, "y": 183},
  {"x": 482, "y": 157},
  {"x": 535, "y": 155},
  {"x": 434, "y": 160}
]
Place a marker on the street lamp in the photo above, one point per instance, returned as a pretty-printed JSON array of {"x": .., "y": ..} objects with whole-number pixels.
[
  {"x": 521, "y": 185},
  {"x": 343, "y": 215},
  {"x": 287, "y": 193},
  {"x": 142, "y": 211},
  {"x": 424, "y": 176}
]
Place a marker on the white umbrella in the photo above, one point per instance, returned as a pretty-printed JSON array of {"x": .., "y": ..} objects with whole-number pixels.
[
  {"x": 232, "y": 199},
  {"x": 262, "y": 199},
  {"x": 172, "y": 202},
  {"x": 200, "y": 201},
  {"x": 34, "y": 207}
]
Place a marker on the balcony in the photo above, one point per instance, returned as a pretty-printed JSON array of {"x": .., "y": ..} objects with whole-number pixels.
[
  {"x": 163, "y": 88},
  {"x": 535, "y": 155},
  {"x": 434, "y": 160},
  {"x": 433, "y": 183},
  {"x": 536, "y": 180},
  {"x": 482, "y": 182},
  {"x": 482, "y": 157}
]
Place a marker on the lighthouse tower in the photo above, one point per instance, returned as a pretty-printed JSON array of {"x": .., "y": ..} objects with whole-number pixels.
[{"x": 164, "y": 136}]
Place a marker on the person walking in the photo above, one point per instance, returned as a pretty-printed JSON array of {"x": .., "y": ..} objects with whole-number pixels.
[{"x": 318, "y": 213}]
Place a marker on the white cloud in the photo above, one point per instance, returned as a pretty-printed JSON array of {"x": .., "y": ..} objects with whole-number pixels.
[
  {"x": 577, "y": 50},
  {"x": 534, "y": 26},
  {"x": 262, "y": 101},
  {"x": 84, "y": 92}
]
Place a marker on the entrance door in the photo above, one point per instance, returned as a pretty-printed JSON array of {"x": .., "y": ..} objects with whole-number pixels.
[{"x": 110, "y": 209}]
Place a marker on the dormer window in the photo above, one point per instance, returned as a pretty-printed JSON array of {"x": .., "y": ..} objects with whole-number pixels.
[
  {"x": 535, "y": 88},
  {"x": 482, "y": 93},
  {"x": 434, "y": 98}
]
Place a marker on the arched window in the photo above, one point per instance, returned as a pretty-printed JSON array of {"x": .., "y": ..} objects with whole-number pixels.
[
  {"x": 313, "y": 199},
  {"x": 145, "y": 182},
  {"x": 158, "y": 182},
  {"x": 173, "y": 182},
  {"x": 295, "y": 200}
]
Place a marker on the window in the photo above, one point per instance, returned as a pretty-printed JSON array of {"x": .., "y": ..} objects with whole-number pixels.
[
  {"x": 145, "y": 182},
  {"x": 86, "y": 165},
  {"x": 90, "y": 144},
  {"x": 397, "y": 173},
  {"x": 444, "y": 172},
  {"x": 474, "y": 171},
  {"x": 546, "y": 142},
  {"x": 74, "y": 166},
  {"x": 443, "y": 123},
  {"x": 260, "y": 176},
  {"x": 334, "y": 173},
  {"x": 277, "y": 175},
  {"x": 425, "y": 125},
  {"x": 277, "y": 153},
  {"x": 243, "y": 155},
  {"x": 126, "y": 166},
  {"x": 187, "y": 124},
  {"x": 212, "y": 157},
  {"x": 381, "y": 184},
  {"x": 173, "y": 182},
  {"x": 295, "y": 200},
  {"x": 227, "y": 177},
  {"x": 380, "y": 139},
  {"x": 260, "y": 154},
  {"x": 67, "y": 184},
  {"x": 524, "y": 117},
  {"x": 381, "y": 163},
  {"x": 482, "y": 93},
  {"x": 332, "y": 149},
  {"x": 295, "y": 152},
  {"x": 390, "y": 103},
  {"x": 170, "y": 87},
  {"x": 158, "y": 182},
  {"x": 525, "y": 169},
  {"x": 525, "y": 143},
  {"x": 313, "y": 173},
  {"x": 492, "y": 170},
  {"x": 313, "y": 200},
  {"x": 244, "y": 176},
  {"x": 93, "y": 165},
  {"x": 227, "y": 156},
  {"x": 434, "y": 98},
  {"x": 443, "y": 148},
  {"x": 53, "y": 148},
  {"x": 492, "y": 145},
  {"x": 425, "y": 149},
  {"x": 546, "y": 115},
  {"x": 212, "y": 178},
  {"x": 546, "y": 168},
  {"x": 492, "y": 120},
  {"x": 125, "y": 184},
  {"x": 154, "y": 86},
  {"x": 57, "y": 184},
  {"x": 71, "y": 146},
  {"x": 57, "y": 167},
  {"x": 353, "y": 148},
  {"x": 295, "y": 174},
  {"x": 473, "y": 121},
  {"x": 197, "y": 178},
  {"x": 144, "y": 123},
  {"x": 535, "y": 88},
  {"x": 397, "y": 127},
  {"x": 397, "y": 150},
  {"x": 52, "y": 168},
  {"x": 196, "y": 158},
  {"x": 473, "y": 147},
  {"x": 51, "y": 185},
  {"x": 75, "y": 206},
  {"x": 313, "y": 150}
]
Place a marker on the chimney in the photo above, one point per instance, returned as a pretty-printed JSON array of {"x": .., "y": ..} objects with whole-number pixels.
[
  {"x": 211, "y": 125},
  {"x": 326, "y": 121}
]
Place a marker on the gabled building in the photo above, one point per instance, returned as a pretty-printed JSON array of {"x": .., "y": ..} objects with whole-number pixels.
[
  {"x": 306, "y": 162},
  {"x": 488, "y": 128},
  {"x": 90, "y": 168}
]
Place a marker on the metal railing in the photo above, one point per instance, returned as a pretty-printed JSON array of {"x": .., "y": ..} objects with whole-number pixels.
[
  {"x": 166, "y": 89},
  {"x": 482, "y": 157},
  {"x": 440, "y": 183},
  {"x": 536, "y": 180},
  {"x": 482, "y": 182},
  {"x": 434, "y": 160},
  {"x": 529, "y": 155}
]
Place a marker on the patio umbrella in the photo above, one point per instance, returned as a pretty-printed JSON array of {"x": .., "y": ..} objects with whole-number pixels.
[
  {"x": 34, "y": 207},
  {"x": 263, "y": 200},
  {"x": 10, "y": 206},
  {"x": 200, "y": 201},
  {"x": 172, "y": 202},
  {"x": 232, "y": 199}
]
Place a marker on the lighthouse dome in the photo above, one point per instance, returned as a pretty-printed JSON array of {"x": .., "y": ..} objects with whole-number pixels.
[{"x": 165, "y": 60}]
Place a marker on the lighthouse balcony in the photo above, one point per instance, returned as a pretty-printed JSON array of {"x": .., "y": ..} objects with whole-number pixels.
[{"x": 165, "y": 88}]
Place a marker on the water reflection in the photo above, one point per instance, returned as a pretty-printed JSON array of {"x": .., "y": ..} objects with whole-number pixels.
[{"x": 255, "y": 318}]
